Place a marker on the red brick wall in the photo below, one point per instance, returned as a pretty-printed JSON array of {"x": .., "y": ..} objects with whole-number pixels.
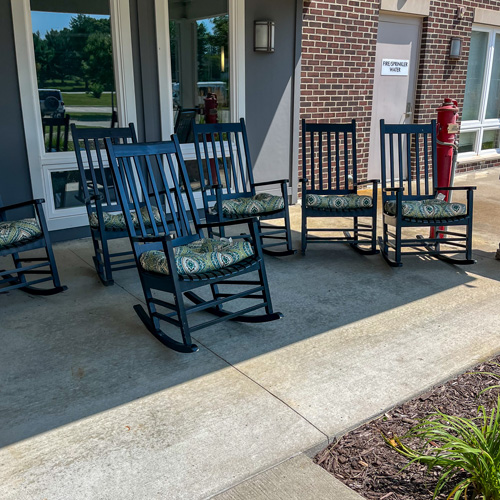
[{"x": 338, "y": 56}]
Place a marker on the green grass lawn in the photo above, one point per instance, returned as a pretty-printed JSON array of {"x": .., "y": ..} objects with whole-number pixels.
[
  {"x": 86, "y": 100},
  {"x": 90, "y": 117}
]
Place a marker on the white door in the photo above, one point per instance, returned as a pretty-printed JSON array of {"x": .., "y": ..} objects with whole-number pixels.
[{"x": 396, "y": 66}]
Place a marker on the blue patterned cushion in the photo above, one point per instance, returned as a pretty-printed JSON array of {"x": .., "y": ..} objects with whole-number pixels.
[
  {"x": 116, "y": 221},
  {"x": 338, "y": 202},
  {"x": 259, "y": 204},
  {"x": 427, "y": 209},
  {"x": 199, "y": 257},
  {"x": 18, "y": 231}
]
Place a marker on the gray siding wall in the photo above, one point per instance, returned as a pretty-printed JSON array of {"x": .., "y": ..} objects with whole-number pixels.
[
  {"x": 270, "y": 90},
  {"x": 15, "y": 184}
]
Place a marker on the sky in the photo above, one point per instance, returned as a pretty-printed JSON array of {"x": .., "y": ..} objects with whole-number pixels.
[{"x": 45, "y": 21}]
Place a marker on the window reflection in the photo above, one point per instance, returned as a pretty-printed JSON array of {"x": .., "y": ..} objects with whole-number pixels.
[
  {"x": 74, "y": 66},
  {"x": 199, "y": 46}
]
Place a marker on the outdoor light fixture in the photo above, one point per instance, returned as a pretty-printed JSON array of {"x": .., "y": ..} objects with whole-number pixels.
[
  {"x": 263, "y": 36},
  {"x": 222, "y": 60},
  {"x": 455, "y": 48}
]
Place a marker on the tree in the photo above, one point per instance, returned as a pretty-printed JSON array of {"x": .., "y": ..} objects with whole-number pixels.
[
  {"x": 43, "y": 58},
  {"x": 98, "y": 60}
]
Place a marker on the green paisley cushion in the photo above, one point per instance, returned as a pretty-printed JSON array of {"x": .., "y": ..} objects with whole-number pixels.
[
  {"x": 338, "y": 202},
  {"x": 19, "y": 231},
  {"x": 427, "y": 209},
  {"x": 201, "y": 256},
  {"x": 259, "y": 204},
  {"x": 116, "y": 222}
]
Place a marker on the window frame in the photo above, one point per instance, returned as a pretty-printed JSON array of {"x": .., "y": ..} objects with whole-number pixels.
[
  {"x": 482, "y": 124},
  {"x": 41, "y": 163}
]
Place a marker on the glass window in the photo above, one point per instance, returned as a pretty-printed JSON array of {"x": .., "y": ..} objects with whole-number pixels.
[
  {"x": 475, "y": 75},
  {"x": 491, "y": 139},
  {"x": 74, "y": 66},
  {"x": 199, "y": 55},
  {"x": 466, "y": 142},
  {"x": 493, "y": 108},
  {"x": 482, "y": 94}
]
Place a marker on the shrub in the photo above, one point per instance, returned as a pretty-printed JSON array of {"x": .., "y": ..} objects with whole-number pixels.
[
  {"x": 459, "y": 445},
  {"x": 96, "y": 90}
]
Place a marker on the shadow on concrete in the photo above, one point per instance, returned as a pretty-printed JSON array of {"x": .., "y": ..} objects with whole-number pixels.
[{"x": 67, "y": 357}]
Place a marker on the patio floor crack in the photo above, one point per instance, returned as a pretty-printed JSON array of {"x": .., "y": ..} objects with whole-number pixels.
[
  {"x": 227, "y": 362},
  {"x": 264, "y": 388}
]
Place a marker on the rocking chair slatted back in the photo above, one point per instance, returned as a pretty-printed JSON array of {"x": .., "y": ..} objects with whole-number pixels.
[
  {"x": 228, "y": 168},
  {"x": 58, "y": 128},
  {"x": 336, "y": 142},
  {"x": 414, "y": 146},
  {"x": 92, "y": 142},
  {"x": 148, "y": 177}
]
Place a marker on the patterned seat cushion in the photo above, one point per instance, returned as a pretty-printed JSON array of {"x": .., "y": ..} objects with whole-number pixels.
[
  {"x": 116, "y": 221},
  {"x": 259, "y": 204},
  {"x": 18, "y": 231},
  {"x": 199, "y": 257},
  {"x": 333, "y": 202},
  {"x": 427, "y": 209}
]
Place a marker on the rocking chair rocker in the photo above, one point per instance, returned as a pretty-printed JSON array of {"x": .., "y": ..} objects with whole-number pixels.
[
  {"x": 228, "y": 186},
  {"x": 410, "y": 198},
  {"x": 175, "y": 257},
  {"x": 21, "y": 235},
  {"x": 99, "y": 194}
]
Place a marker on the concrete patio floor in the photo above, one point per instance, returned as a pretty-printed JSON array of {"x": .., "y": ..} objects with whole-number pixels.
[{"x": 93, "y": 407}]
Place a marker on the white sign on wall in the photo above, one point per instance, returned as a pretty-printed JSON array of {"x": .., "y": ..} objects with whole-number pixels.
[{"x": 395, "y": 67}]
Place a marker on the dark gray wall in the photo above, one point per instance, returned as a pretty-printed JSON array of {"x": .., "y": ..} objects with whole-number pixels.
[
  {"x": 270, "y": 89},
  {"x": 15, "y": 184},
  {"x": 145, "y": 69}
]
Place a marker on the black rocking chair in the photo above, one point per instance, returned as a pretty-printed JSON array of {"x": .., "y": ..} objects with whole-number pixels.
[
  {"x": 330, "y": 187},
  {"x": 22, "y": 235},
  {"x": 103, "y": 208},
  {"x": 411, "y": 199},
  {"x": 228, "y": 186},
  {"x": 171, "y": 253}
]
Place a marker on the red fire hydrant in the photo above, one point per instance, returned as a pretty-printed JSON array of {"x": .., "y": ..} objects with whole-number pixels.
[
  {"x": 447, "y": 128},
  {"x": 211, "y": 117},
  {"x": 211, "y": 108}
]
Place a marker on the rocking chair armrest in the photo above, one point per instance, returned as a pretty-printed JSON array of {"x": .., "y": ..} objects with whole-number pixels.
[
  {"x": 217, "y": 187},
  {"x": 94, "y": 197},
  {"x": 37, "y": 201},
  {"x": 151, "y": 238},
  {"x": 388, "y": 190},
  {"x": 266, "y": 183},
  {"x": 303, "y": 179},
  {"x": 246, "y": 220},
  {"x": 458, "y": 188},
  {"x": 368, "y": 181}
]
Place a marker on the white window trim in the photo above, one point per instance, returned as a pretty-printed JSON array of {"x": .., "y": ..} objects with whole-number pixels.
[
  {"x": 482, "y": 124},
  {"x": 42, "y": 164}
]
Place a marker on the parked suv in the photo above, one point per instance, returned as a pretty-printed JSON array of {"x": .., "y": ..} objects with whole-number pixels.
[{"x": 51, "y": 103}]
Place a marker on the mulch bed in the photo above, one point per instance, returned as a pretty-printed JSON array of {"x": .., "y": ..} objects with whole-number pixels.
[{"x": 364, "y": 462}]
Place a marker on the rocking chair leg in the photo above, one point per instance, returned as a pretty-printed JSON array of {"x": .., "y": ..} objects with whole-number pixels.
[
  {"x": 215, "y": 294},
  {"x": 152, "y": 323},
  {"x": 304, "y": 233},
  {"x": 107, "y": 276}
]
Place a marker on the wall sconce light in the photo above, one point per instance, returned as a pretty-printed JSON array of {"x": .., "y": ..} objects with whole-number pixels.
[
  {"x": 455, "y": 48},
  {"x": 263, "y": 36},
  {"x": 222, "y": 60}
]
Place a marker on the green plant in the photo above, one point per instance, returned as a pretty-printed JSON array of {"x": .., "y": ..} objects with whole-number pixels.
[
  {"x": 96, "y": 89},
  {"x": 459, "y": 445}
]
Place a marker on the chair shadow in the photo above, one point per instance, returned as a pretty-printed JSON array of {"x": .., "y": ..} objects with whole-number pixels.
[{"x": 68, "y": 358}]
